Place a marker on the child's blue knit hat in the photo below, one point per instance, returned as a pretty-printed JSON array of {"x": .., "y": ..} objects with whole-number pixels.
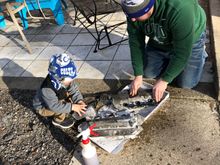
[{"x": 61, "y": 66}]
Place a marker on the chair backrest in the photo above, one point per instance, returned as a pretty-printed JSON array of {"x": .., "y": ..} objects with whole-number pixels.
[{"x": 92, "y": 8}]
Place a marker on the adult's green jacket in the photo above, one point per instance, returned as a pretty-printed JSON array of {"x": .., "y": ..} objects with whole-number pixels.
[{"x": 174, "y": 26}]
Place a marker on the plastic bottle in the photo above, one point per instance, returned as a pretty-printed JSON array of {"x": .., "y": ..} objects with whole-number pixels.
[
  {"x": 89, "y": 153},
  {"x": 88, "y": 150}
]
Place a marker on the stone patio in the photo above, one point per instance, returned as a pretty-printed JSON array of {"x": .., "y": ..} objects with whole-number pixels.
[{"x": 46, "y": 39}]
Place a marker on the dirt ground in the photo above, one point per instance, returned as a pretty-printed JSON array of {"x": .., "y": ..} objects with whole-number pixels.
[
  {"x": 184, "y": 131},
  {"x": 187, "y": 133}
]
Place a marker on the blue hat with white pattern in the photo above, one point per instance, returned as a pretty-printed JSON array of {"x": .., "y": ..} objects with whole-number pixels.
[{"x": 61, "y": 66}]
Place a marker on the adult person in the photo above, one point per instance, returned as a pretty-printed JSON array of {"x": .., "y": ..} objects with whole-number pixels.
[{"x": 176, "y": 46}]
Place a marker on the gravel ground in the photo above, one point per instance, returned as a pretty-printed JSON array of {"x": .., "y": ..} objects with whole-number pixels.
[{"x": 26, "y": 138}]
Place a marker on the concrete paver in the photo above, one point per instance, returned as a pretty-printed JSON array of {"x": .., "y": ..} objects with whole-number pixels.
[
  {"x": 70, "y": 29},
  {"x": 114, "y": 36},
  {"x": 34, "y": 28},
  {"x": 13, "y": 69},
  {"x": 17, "y": 40},
  {"x": 102, "y": 55},
  {"x": 9, "y": 52},
  {"x": 37, "y": 69},
  {"x": 51, "y": 50},
  {"x": 120, "y": 70},
  {"x": 94, "y": 69},
  {"x": 24, "y": 55},
  {"x": 63, "y": 39},
  {"x": 5, "y": 39},
  {"x": 79, "y": 52},
  {"x": 83, "y": 39},
  {"x": 42, "y": 40},
  {"x": 3, "y": 62},
  {"x": 123, "y": 53},
  {"x": 78, "y": 65},
  {"x": 119, "y": 16},
  {"x": 51, "y": 29}
]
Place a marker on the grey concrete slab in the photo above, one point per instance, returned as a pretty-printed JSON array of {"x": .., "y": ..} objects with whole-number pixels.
[
  {"x": 103, "y": 20},
  {"x": 40, "y": 68},
  {"x": 42, "y": 40},
  {"x": 78, "y": 52},
  {"x": 70, "y": 29},
  {"x": 94, "y": 69},
  {"x": 5, "y": 39},
  {"x": 120, "y": 70},
  {"x": 120, "y": 28},
  {"x": 84, "y": 39},
  {"x": 91, "y": 28},
  {"x": 25, "y": 55},
  {"x": 14, "y": 68},
  {"x": 3, "y": 62},
  {"x": 51, "y": 29},
  {"x": 114, "y": 37},
  {"x": 125, "y": 37},
  {"x": 18, "y": 41},
  {"x": 51, "y": 50},
  {"x": 63, "y": 39},
  {"x": 78, "y": 65},
  {"x": 103, "y": 55},
  {"x": 10, "y": 52},
  {"x": 104, "y": 17},
  {"x": 123, "y": 53},
  {"x": 34, "y": 28},
  {"x": 36, "y": 69},
  {"x": 118, "y": 16}
]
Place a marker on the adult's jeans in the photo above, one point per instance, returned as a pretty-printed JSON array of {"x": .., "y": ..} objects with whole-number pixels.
[{"x": 156, "y": 62}]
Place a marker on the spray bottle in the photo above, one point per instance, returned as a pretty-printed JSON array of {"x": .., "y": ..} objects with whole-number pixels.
[{"x": 88, "y": 150}]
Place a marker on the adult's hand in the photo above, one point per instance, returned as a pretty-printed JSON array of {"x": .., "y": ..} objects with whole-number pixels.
[
  {"x": 135, "y": 85},
  {"x": 158, "y": 89}
]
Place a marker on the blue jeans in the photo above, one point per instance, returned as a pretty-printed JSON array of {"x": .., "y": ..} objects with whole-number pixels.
[{"x": 156, "y": 62}]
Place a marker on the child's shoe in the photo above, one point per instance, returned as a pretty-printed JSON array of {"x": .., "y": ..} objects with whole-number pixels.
[{"x": 68, "y": 122}]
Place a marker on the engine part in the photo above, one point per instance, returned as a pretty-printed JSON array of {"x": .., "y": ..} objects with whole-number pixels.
[{"x": 110, "y": 122}]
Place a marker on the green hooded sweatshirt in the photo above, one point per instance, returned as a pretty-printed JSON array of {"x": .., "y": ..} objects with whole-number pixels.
[{"x": 174, "y": 26}]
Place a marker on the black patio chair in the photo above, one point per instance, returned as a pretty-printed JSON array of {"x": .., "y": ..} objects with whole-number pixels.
[{"x": 92, "y": 12}]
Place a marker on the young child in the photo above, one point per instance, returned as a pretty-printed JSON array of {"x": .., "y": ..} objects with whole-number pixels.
[{"x": 58, "y": 95}]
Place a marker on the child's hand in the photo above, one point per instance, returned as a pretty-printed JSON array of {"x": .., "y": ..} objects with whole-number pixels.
[
  {"x": 81, "y": 102},
  {"x": 79, "y": 108}
]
